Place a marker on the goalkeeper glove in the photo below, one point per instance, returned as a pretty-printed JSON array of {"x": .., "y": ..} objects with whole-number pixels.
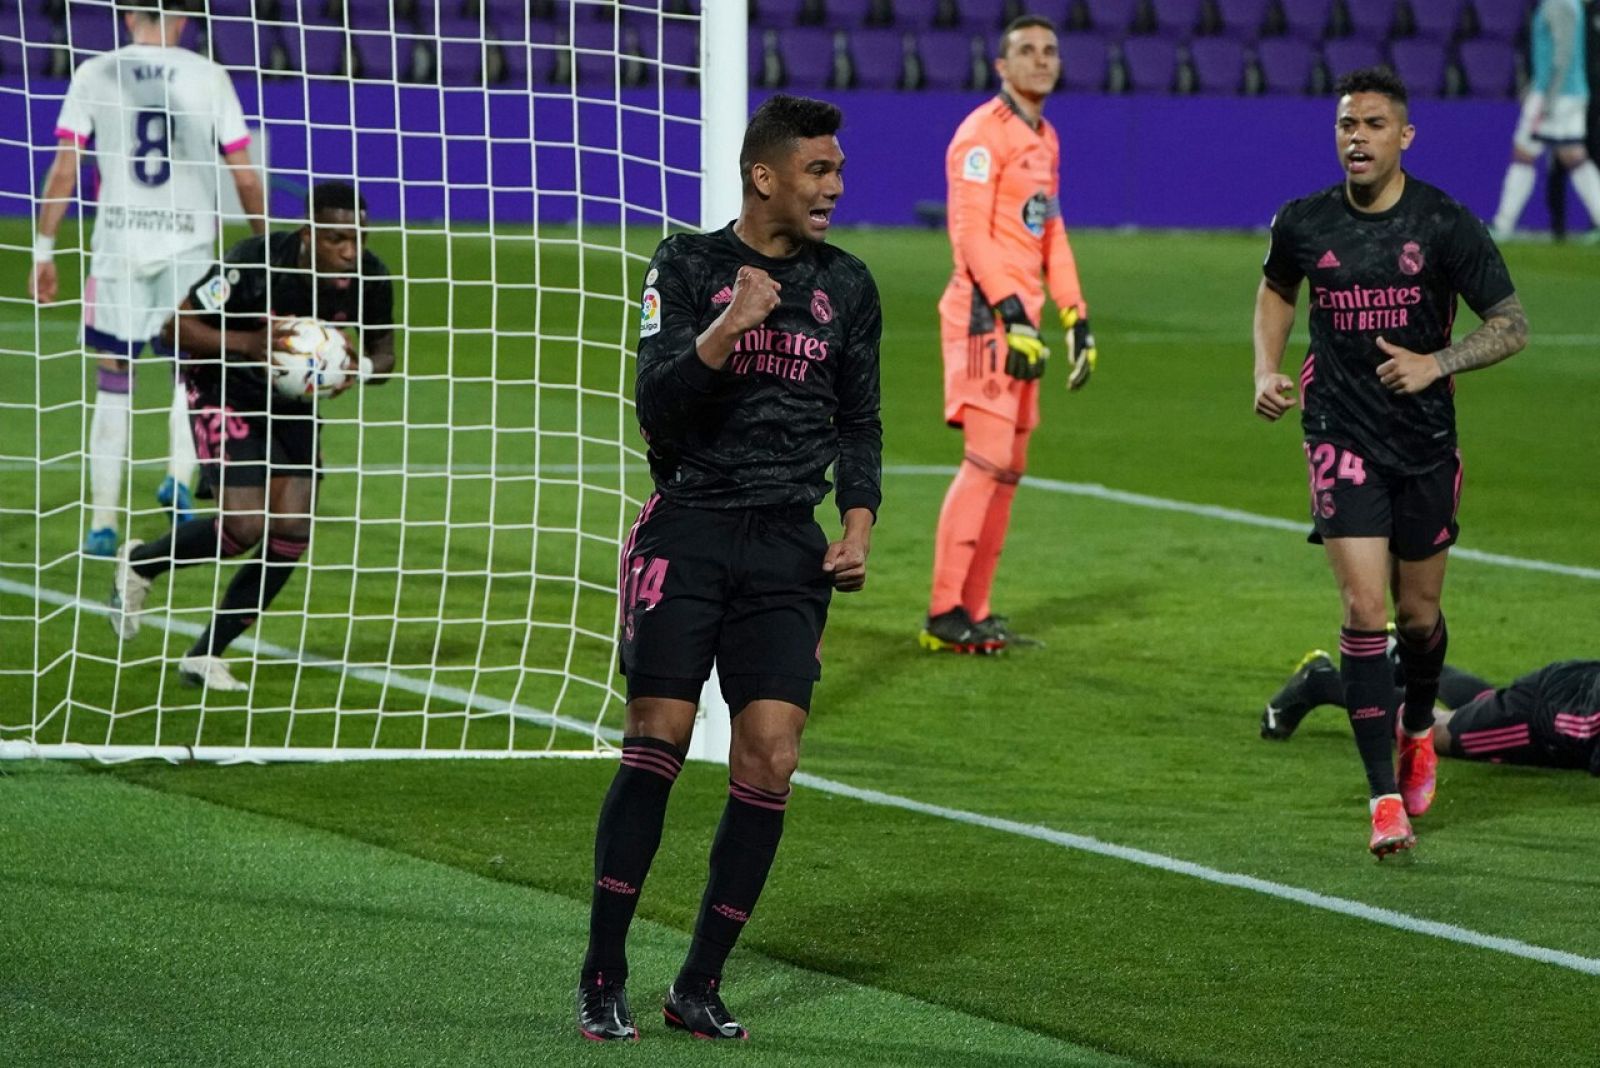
[
  {"x": 1026, "y": 354},
  {"x": 1081, "y": 353}
]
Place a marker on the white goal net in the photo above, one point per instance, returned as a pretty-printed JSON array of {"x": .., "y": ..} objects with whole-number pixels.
[{"x": 520, "y": 161}]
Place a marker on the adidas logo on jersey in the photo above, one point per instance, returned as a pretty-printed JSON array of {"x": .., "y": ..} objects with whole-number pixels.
[
  {"x": 1328, "y": 260},
  {"x": 724, "y": 296}
]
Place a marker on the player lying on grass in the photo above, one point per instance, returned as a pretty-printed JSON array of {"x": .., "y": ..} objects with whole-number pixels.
[
  {"x": 259, "y": 448},
  {"x": 1549, "y": 718}
]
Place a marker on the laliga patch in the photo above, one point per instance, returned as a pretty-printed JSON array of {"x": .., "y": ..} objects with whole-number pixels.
[
  {"x": 650, "y": 279},
  {"x": 976, "y": 167},
  {"x": 214, "y": 293},
  {"x": 650, "y": 313}
]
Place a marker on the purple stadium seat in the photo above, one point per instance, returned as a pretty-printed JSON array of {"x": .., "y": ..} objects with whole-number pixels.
[
  {"x": 915, "y": 14},
  {"x": 680, "y": 49},
  {"x": 238, "y": 44},
  {"x": 375, "y": 55},
  {"x": 369, "y": 14},
  {"x": 13, "y": 57},
  {"x": 1286, "y": 64},
  {"x": 1152, "y": 63},
  {"x": 982, "y": 16},
  {"x": 1242, "y": 19},
  {"x": 878, "y": 57},
  {"x": 1307, "y": 19},
  {"x": 766, "y": 13},
  {"x": 91, "y": 30},
  {"x": 847, "y": 14},
  {"x": 1083, "y": 63},
  {"x": 1370, "y": 19},
  {"x": 533, "y": 62},
  {"x": 1421, "y": 63},
  {"x": 1218, "y": 64},
  {"x": 764, "y": 59},
  {"x": 1489, "y": 67},
  {"x": 315, "y": 49},
  {"x": 596, "y": 45},
  {"x": 1351, "y": 53},
  {"x": 1437, "y": 19},
  {"x": 808, "y": 57},
  {"x": 1501, "y": 19},
  {"x": 947, "y": 59},
  {"x": 460, "y": 61},
  {"x": 1112, "y": 17},
  {"x": 1177, "y": 18}
]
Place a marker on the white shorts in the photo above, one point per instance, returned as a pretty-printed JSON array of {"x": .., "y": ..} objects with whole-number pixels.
[
  {"x": 122, "y": 310},
  {"x": 1565, "y": 122}
]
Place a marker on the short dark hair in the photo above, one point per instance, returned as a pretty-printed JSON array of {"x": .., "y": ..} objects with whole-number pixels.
[
  {"x": 1021, "y": 22},
  {"x": 780, "y": 122},
  {"x": 1373, "y": 80},
  {"x": 335, "y": 196}
]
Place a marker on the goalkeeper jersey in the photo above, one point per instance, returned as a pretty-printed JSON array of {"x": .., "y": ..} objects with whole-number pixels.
[
  {"x": 263, "y": 276},
  {"x": 1393, "y": 274},
  {"x": 798, "y": 395},
  {"x": 156, "y": 119},
  {"x": 1004, "y": 180}
]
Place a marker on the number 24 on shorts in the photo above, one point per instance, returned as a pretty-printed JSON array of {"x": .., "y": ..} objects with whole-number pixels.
[{"x": 1320, "y": 459}]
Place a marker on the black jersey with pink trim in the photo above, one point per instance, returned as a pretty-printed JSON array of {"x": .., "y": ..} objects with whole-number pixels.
[
  {"x": 799, "y": 393},
  {"x": 1393, "y": 274}
]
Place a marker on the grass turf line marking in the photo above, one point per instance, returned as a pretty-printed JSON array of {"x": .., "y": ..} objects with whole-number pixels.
[{"x": 1065, "y": 839}]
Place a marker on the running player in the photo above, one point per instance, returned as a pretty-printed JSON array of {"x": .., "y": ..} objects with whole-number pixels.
[
  {"x": 1554, "y": 114},
  {"x": 157, "y": 115},
  {"x": 1386, "y": 256},
  {"x": 1003, "y": 168},
  {"x": 1549, "y": 718},
  {"x": 259, "y": 449},
  {"x": 758, "y": 368}
]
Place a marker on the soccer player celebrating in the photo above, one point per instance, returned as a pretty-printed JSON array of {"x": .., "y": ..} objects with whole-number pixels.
[
  {"x": 158, "y": 115},
  {"x": 1003, "y": 168},
  {"x": 1386, "y": 256},
  {"x": 1549, "y": 718},
  {"x": 758, "y": 368},
  {"x": 259, "y": 448}
]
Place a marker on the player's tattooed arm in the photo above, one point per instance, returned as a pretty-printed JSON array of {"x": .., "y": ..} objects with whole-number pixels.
[{"x": 1503, "y": 333}]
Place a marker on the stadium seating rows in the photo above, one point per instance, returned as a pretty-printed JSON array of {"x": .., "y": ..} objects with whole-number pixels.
[{"x": 1441, "y": 47}]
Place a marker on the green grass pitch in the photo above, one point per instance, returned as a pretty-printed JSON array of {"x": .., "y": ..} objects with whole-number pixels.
[{"x": 435, "y": 912}]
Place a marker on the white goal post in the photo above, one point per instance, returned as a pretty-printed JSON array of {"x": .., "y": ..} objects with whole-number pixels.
[{"x": 458, "y": 598}]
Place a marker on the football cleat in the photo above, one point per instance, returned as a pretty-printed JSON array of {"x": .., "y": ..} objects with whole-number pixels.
[
  {"x": 176, "y": 496},
  {"x": 128, "y": 591},
  {"x": 954, "y": 632},
  {"x": 699, "y": 1010},
  {"x": 211, "y": 672},
  {"x": 1418, "y": 774},
  {"x": 603, "y": 1012},
  {"x": 997, "y": 629},
  {"x": 100, "y": 542},
  {"x": 1315, "y": 682},
  {"x": 1391, "y": 830}
]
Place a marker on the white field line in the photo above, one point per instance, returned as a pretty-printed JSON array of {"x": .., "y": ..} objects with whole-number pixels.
[{"x": 1066, "y": 840}]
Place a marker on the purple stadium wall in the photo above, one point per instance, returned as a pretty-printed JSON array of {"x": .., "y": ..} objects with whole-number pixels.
[{"x": 1155, "y": 161}]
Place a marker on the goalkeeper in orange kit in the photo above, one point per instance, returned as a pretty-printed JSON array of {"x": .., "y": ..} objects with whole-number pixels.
[{"x": 1003, "y": 168}]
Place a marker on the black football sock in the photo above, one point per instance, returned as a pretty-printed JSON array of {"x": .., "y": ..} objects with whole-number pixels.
[
  {"x": 1423, "y": 661},
  {"x": 253, "y": 587},
  {"x": 1457, "y": 687},
  {"x": 625, "y": 844},
  {"x": 187, "y": 543},
  {"x": 1368, "y": 688},
  {"x": 741, "y": 855}
]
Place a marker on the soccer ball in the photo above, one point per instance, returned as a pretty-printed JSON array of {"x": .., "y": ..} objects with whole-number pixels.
[{"x": 308, "y": 358}]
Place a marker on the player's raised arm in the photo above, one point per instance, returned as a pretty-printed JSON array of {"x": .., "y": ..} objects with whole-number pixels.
[
  {"x": 198, "y": 333},
  {"x": 59, "y": 184}
]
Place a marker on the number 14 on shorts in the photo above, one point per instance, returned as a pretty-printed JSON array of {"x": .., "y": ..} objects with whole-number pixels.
[
  {"x": 641, "y": 588},
  {"x": 1327, "y": 464}
]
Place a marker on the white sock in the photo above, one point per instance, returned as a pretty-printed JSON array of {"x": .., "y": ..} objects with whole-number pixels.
[
  {"x": 1586, "y": 180},
  {"x": 108, "y": 454},
  {"x": 180, "y": 442},
  {"x": 1514, "y": 194}
]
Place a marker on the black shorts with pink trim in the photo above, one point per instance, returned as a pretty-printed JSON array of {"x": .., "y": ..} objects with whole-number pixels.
[
  {"x": 1545, "y": 719},
  {"x": 742, "y": 587},
  {"x": 1352, "y": 497},
  {"x": 240, "y": 447}
]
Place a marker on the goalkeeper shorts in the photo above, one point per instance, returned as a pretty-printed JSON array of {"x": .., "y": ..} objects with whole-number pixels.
[
  {"x": 246, "y": 448},
  {"x": 743, "y": 587},
  {"x": 975, "y": 376}
]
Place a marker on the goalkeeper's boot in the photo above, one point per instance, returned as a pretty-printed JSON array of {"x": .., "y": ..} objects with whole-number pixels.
[
  {"x": 953, "y": 632},
  {"x": 1391, "y": 830},
  {"x": 101, "y": 541},
  {"x": 603, "y": 1012},
  {"x": 210, "y": 672},
  {"x": 175, "y": 496},
  {"x": 1315, "y": 682},
  {"x": 698, "y": 1009},
  {"x": 128, "y": 591},
  {"x": 996, "y": 631},
  {"x": 1418, "y": 772}
]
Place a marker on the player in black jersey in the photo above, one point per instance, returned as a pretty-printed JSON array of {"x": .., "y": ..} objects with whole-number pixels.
[
  {"x": 758, "y": 368},
  {"x": 258, "y": 449},
  {"x": 1549, "y": 718},
  {"x": 1386, "y": 257}
]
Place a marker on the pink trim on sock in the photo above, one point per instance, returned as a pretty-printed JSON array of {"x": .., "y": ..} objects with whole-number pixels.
[
  {"x": 652, "y": 760},
  {"x": 228, "y": 546},
  {"x": 293, "y": 548},
  {"x": 114, "y": 381},
  {"x": 751, "y": 795}
]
